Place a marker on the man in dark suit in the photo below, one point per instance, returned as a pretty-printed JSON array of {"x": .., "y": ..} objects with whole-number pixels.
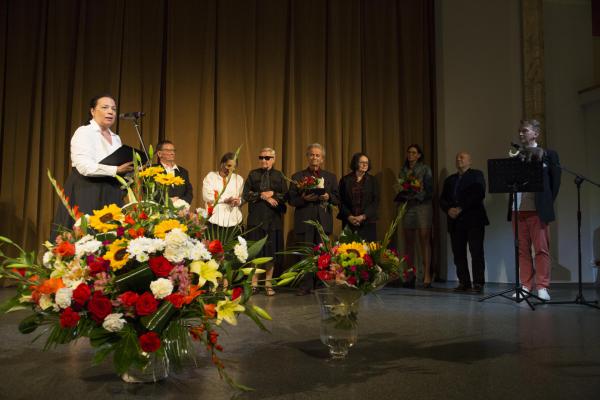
[
  {"x": 313, "y": 206},
  {"x": 165, "y": 151},
  {"x": 462, "y": 201},
  {"x": 536, "y": 211}
]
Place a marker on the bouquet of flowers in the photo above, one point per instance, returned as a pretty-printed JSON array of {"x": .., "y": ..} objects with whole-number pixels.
[
  {"x": 142, "y": 282},
  {"x": 407, "y": 187},
  {"x": 311, "y": 184}
]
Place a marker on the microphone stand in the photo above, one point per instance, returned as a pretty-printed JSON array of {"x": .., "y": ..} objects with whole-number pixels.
[{"x": 579, "y": 299}]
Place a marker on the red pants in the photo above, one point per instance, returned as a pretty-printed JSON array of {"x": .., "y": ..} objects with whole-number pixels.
[{"x": 532, "y": 231}]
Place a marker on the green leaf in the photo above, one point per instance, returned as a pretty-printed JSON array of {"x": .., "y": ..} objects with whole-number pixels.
[
  {"x": 261, "y": 260},
  {"x": 284, "y": 282},
  {"x": 349, "y": 236},
  {"x": 30, "y": 323},
  {"x": 8, "y": 305},
  {"x": 158, "y": 320},
  {"x": 101, "y": 354},
  {"x": 256, "y": 247},
  {"x": 137, "y": 280}
]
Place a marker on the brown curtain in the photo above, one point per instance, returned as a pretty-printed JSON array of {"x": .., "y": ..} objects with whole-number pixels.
[{"x": 353, "y": 75}]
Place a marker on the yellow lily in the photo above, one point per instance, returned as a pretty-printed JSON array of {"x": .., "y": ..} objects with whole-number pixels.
[
  {"x": 207, "y": 271},
  {"x": 226, "y": 310}
]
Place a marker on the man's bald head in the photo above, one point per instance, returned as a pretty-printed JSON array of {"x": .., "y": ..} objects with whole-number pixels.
[{"x": 463, "y": 161}]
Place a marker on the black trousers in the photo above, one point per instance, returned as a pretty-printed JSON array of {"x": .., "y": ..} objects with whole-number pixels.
[{"x": 459, "y": 238}]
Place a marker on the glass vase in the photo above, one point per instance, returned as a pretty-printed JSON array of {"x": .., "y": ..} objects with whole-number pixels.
[
  {"x": 339, "y": 319},
  {"x": 156, "y": 369}
]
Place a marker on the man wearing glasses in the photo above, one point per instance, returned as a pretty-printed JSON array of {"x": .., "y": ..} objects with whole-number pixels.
[
  {"x": 265, "y": 191},
  {"x": 165, "y": 151}
]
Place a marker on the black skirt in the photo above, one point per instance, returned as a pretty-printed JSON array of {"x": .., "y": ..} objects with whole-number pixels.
[
  {"x": 273, "y": 245},
  {"x": 89, "y": 194}
]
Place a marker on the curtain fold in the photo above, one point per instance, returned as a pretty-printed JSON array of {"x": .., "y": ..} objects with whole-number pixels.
[{"x": 353, "y": 75}]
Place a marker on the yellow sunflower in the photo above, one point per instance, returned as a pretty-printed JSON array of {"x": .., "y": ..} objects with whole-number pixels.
[
  {"x": 358, "y": 249},
  {"x": 104, "y": 220},
  {"x": 151, "y": 171},
  {"x": 169, "y": 179},
  {"x": 167, "y": 226},
  {"x": 117, "y": 254}
]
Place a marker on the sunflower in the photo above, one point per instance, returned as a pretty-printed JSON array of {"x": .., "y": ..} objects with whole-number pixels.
[
  {"x": 101, "y": 220},
  {"x": 358, "y": 249},
  {"x": 169, "y": 179},
  {"x": 117, "y": 254},
  {"x": 166, "y": 226},
  {"x": 151, "y": 171}
]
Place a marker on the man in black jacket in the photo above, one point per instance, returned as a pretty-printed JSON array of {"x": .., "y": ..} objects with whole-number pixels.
[
  {"x": 462, "y": 201},
  {"x": 312, "y": 206},
  {"x": 165, "y": 151}
]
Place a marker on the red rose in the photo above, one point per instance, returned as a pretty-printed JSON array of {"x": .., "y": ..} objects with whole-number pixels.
[
  {"x": 81, "y": 294},
  {"x": 150, "y": 342},
  {"x": 160, "y": 266},
  {"x": 215, "y": 247},
  {"x": 97, "y": 264},
  {"x": 176, "y": 299},
  {"x": 236, "y": 292},
  {"x": 146, "y": 304},
  {"x": 99, "y": 306},
  {"x": 64, "y": 249},
  {"x": 129, "y": 298},
  {"x": 324, "y": 261},
  {"x": 368, "y": 260},
  {"x": 69, "y": 318}
]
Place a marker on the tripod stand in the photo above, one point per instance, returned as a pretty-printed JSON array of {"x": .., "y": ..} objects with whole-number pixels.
[
  {"x": 579, "y": 299},
  {"x": 513, "y": 175}
]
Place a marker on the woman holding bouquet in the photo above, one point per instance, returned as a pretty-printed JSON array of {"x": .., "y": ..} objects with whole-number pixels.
[
  {"x": 359, "y": 198},
  {"x": 415, "y": 188}
]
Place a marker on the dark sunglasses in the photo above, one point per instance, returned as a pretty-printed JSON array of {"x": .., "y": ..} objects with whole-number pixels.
[{"x": 265, "y": 157}]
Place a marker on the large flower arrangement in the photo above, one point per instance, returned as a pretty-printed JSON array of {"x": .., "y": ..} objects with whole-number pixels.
[{"x": 141, "y": 282}]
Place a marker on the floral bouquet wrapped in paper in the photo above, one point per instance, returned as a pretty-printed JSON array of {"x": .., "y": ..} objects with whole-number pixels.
[
  {"x": 142, "y": 282},
  {"x": 311, "y": 184},
  {"x": 407, "y": 188}
]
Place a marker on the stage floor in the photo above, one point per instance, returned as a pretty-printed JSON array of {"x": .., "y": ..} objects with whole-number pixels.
[{"x": 413, "y": 344}]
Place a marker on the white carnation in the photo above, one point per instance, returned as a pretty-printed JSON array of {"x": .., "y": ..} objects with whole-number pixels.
[
  {"x": 113, "y": 322},
  {"x": 176, "y": 237},
  {"x": 202, "y": 212},
  {"x": 176, "y": 254},
  {"x": 86, "y": 245},
  {"x": 47, "y": 258},
  {"x": 178, "y": 246},
  {"x": 241, "y": 249},
  {"x": 161, "y": 288},
  {"x": 198, "y": 251},
  {"x": 180, "y": 203},
  {"x": 141, "y": 247},
  {"x": 63, "y": 297}
]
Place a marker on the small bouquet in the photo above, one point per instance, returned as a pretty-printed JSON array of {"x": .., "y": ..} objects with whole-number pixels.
[
  {"x": 407, "y": 188},
  {"x": 311, "y": 184},
  {"x": 142, "y": 282}
]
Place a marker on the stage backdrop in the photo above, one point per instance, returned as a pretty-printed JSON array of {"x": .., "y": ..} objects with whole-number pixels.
[{"x": 211, "y": 76}]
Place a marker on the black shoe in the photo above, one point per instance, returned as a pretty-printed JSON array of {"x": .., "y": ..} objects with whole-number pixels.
[
  {"x": 409, "y": 284},
  {"x": 477, "y": 288},
  {"x": 303, "y": 292},
  {"x": 462, "y": 288}
]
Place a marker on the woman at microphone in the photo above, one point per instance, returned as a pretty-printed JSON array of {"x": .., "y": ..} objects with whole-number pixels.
[{"x": 92, "y": 185}]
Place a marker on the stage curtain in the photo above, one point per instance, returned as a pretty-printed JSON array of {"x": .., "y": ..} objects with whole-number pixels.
[{"x": 353, "y": 75}]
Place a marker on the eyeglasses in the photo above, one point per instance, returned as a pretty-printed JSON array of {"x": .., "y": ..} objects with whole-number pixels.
[
  {"x": 167, "y": 150},
  {"x": 265, "y": 157},
  {"x": 363, "y": 162}
]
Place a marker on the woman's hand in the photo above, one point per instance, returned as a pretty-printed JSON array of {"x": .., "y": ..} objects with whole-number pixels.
[{"x": 124, "y": 168}]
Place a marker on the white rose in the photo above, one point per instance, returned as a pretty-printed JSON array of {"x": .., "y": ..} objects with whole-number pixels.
[
  {"x": 113, "y": 322},
  {"x": 63, "y": 297},
  {"x": 161, "y": 288}
]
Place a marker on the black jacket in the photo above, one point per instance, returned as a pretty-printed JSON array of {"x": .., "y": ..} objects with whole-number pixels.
[
  {"x": 469, "y": 197},
  {"x": 370, "y": 197},
  {"x": 261, "y": 213},
  {"x": 185, "y": 191}
]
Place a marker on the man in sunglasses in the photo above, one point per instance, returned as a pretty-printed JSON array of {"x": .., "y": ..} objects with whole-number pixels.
[{"x": 265, "y": 191}]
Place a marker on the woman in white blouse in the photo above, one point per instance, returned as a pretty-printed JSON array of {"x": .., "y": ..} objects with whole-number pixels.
[
  {"x": 92, "y": 185},
  {"x": 226, "y": 211}
]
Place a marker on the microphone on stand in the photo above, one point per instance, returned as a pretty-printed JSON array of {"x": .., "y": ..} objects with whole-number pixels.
[{"x": 132, "y": 115}]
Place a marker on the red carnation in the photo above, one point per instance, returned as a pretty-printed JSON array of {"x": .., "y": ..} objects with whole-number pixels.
[
  {"x": 177, "y": 299},
  {"x": 129, "y": 298},
  {"x": 143, "y": 215},
  {"x": 160, "y": 266},
  {"x": 150, "y": 342},
  {"x": 99, "y": 306},
  {"x": 364, "y": 275},
  {"x": 368, "y": 260},
  {"x": 351, "y": 281},
  {"x": 64, "y": 249},
  {"x": 146, "y": 304},
  {"x": 324, "y": 261},
  {"x": 215, "y": 247},
  {"x": 69, "y": 318},
  {"x": 81, "y": 294},
  {"x": 236, "y": 292}
]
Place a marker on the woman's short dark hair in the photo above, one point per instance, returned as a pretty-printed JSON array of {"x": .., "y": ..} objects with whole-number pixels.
[
  {"x": 228, "y": 156},
  {"x": 355, "y": 159},
  {"x": 94, "y": 103},
  {"x": 418, "y": 148}
]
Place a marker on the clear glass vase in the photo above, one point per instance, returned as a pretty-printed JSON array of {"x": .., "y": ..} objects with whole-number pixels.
[
  {"x": 339, "y": 319},
  {"x": 155, "y": 370}
]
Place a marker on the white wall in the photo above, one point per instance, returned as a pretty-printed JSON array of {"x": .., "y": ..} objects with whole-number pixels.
[{"x": 480, "y": 105}]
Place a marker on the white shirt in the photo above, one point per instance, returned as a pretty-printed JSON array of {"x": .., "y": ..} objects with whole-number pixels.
[
  {"x": 88, "y": 147},
  {"x": 223, "y": 214},
  {"x": 170, "y": 170},
  {"x": 526, "y": 201}
]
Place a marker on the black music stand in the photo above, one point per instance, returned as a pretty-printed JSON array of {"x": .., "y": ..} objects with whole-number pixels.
[
  {"x": 515, "y": 175},
  {"x": 579, "y": 299}
]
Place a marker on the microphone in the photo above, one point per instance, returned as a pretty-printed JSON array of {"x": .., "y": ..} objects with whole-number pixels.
[{"x": 132, "y": 115}]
